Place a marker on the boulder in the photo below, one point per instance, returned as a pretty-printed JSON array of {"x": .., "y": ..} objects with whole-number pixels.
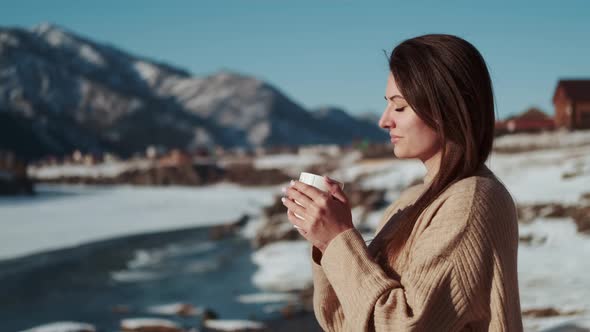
[
  {"x": 276, "y": 228},
  {"x": 548, "y": 312},
  {"x": 222, "y": 231}
]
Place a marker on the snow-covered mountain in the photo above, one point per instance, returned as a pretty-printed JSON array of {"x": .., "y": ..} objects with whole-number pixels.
[{"x": 61, "y": 91}]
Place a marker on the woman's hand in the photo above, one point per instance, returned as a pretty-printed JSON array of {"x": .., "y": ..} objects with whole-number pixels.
[{"x": 325, "y": 215}]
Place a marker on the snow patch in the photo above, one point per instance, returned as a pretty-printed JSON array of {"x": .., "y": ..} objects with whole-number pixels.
[{"x": 283, "y": 266}]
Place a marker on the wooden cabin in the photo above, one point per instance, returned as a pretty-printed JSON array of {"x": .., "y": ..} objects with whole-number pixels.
[{"x": 572, "y": 104}]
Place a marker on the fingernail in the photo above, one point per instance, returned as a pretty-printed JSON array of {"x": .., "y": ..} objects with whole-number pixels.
[
  {"x": 284, "y": 189},
  {"x": 292, "y": 182},
  {"x": 283, "y": 199}
]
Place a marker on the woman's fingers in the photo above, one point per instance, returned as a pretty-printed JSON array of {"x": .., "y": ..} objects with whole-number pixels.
[
  {"x": 297, "y": 222},
  {"x": 295, "y": 208},
  {"x": 298, "y": 196},
  {"x": 311, "y": 192}
]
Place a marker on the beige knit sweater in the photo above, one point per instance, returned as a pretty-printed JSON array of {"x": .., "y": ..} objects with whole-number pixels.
[{"x": 462, "y": 274}]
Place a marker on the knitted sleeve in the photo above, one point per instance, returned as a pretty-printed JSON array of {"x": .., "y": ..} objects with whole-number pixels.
[
  {"x": 327, "y": 308},
  {"x": 433, "y": 293}
]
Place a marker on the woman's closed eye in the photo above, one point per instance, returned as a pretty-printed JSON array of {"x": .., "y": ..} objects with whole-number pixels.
[{"x": 400, "y": 109}]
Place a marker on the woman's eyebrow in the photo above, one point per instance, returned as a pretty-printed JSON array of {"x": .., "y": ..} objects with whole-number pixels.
[{"x": 393, "y": 97}]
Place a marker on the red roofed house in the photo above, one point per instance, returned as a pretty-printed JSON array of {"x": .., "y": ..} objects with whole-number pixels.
[
  {"x": 532, "y": 120},
  {"x": 572, "y": 104}
]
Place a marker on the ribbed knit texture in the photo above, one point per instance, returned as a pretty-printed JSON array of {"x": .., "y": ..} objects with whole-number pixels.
[{"x": 461, "y": 274}]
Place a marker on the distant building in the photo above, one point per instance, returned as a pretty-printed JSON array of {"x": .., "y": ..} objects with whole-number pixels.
[
  {"x": 175, "y": 158},
  {"x": 532, "y": 120},
  {"x": 572, "y": 104}
]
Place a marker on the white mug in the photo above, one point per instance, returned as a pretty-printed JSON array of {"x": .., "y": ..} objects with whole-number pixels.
[{"x": 316, "y": 181}]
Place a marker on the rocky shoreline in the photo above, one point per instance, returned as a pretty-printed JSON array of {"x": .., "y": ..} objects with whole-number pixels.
[
  {"x": 197, "y": 174},
  {"x": 10, "y": 186}
]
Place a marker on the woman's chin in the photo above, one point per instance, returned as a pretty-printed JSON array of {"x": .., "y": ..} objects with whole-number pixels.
[
  {"x": 402, "y": 154},
  {"x": 399, "y": 153}
]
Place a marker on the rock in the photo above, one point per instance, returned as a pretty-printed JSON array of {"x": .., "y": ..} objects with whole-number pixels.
[
  {"x": 275, "y": 208},
  {"x": 209, "y": 314},
  {"x": 371, "y": 199},
  {"x": 16, "y": 186},
  {"x": 247, "y": 175},
  {"x": 14, "y": 179},
  {"x": 581, "y": 216},
  {"x": 579, "y": 213},
  {"x": 548, "y": 312},
  {"x": 290, "y": 310},
  {"x": 121, "y": 309},
  {"x": 275, "y": 228},
  {"x": 306, "y": 298},
  {"x": 186, "y": 175},
  {"x": 531, "y": 239},
  {"x": 221, "y": 231},
  {"x": 149, "y": 325},
  {"x": 527, "y": 212},
  {"x": 378, "y": 151},
  {"x": 326, "y": 167},
  {"x": 176, "y": 309},
  {"x": 191, "y": 174}
]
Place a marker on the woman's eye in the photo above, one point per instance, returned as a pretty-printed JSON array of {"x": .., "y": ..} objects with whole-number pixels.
[{"x": 400, "y": 109}]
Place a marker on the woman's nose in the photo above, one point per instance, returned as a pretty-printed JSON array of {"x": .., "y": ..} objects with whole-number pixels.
[{"x": 386, "y": 121}]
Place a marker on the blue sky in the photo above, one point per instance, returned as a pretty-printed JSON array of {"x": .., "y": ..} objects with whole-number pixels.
[{"x": 331, "y": 53}]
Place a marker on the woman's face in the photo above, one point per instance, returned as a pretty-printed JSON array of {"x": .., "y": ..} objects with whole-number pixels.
[{"x": 411, "y": 137}]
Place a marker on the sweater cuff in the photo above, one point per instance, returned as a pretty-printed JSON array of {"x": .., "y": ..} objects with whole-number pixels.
[{"x": 354, "y": 275}]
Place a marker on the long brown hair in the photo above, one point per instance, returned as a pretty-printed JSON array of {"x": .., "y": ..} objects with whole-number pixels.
[{"x": 446, "y": 82}]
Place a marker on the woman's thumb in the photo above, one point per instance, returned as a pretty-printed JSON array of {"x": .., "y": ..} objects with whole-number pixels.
[{"x": 335, "y": 190}]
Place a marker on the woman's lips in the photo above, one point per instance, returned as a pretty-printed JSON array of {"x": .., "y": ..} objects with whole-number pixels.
[{"x": 394, "y": 139}]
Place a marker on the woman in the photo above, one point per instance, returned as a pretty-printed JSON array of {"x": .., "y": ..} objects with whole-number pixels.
[{"x": 444, "y": 257}]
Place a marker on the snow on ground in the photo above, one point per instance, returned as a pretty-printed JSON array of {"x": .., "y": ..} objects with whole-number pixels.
[
  {"x": 291, "y": 163},
  {"x": 62, "y": 327},
  {"x": 252, "y": 227},
  {"x": 267, "y": 297},
  {"x": 554, "y": 139},
  {"x": 538, "y": 177},
  {"x": 570, "y": 325},
  {"x": 295, "y": 163},
  {"x": 108, "y": 169},
  {"x": 557, "y": 175},
  {"x": 172, "y": 309},
  {"x": 397, "y": 176},
  {"x": 554, "y": 273},
  {"x": 282, "y": 266},
  {"x": 232, "y": 325},
  {"x": 373, "y": 218},
  {"x": 65, "y": 216},
  {"x": 147, "y": 324}
]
